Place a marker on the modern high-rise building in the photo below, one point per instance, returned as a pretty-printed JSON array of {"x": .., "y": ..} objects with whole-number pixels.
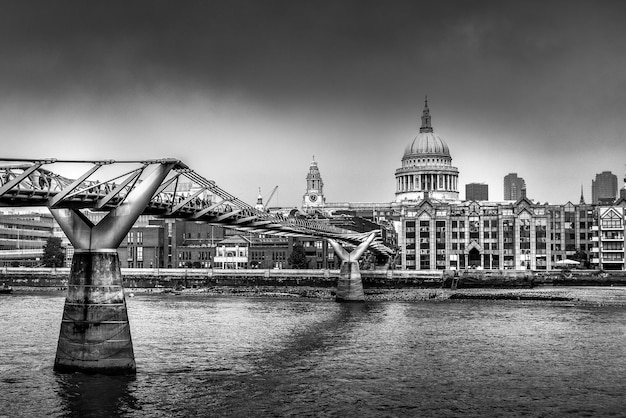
[
  {"x": 604, "y": 188},
  {"x": 513, "y": 186},
  {"x": 476, "y": 191}
]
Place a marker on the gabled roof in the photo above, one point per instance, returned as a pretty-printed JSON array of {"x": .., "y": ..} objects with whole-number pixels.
[{"x": 524, "y": 200}]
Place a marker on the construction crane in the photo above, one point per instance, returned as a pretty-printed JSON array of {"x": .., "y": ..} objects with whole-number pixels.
[{"x": 267, "y": 201}]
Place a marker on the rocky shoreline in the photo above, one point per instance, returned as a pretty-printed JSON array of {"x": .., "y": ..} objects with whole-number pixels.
[
  {"x": 613, "y": 295},
  {"x": 596, "y": 295}
]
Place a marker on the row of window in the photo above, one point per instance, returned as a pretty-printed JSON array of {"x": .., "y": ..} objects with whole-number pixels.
[
  {"x": 131, "y": 235},
  {"x": 259, "y": 255}
]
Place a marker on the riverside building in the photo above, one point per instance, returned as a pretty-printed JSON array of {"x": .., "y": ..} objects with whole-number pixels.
[
  {"x": 493, "y": 235},
  {"x": 23, "y": 237},
  {"x": 608, "y": 237},
  {"x": 436, "y": 231}
]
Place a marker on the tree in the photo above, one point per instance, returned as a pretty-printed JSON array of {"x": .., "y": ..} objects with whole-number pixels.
[
  {"x": 53, "y": 253},
  {"x": 581, "y": 257},
  {"x": 297, "y": 258}
]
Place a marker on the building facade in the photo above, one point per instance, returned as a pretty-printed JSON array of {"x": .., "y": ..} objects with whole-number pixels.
[
  {"x": 232, "y": 253},
  {"x": 476, "y": 191},
  {"x": 427, "y": 167},
  {"x": 608, "y": 237},
  {"x": 268, "y": 252},
  {"x": 513, "y": 186},
  {"x": 169, "y": 243},
  {"x": 261, "y": 252},
  {"x": 23, "y": 237},
  {"x": 492, "y": 235},
  {"x": 604, "y": 188}
]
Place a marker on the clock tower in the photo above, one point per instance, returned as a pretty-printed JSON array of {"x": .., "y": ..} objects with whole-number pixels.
[{"x": 314, "y": 196}]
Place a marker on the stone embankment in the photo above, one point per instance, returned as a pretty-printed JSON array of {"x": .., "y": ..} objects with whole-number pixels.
[
  {"x": 388, "y": 279},
  {"x": 591, "y": 295},
  {"x": 379, "y": 285}
]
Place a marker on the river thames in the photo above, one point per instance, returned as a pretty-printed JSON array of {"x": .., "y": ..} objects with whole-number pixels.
[{"x": 238, "y": 356}]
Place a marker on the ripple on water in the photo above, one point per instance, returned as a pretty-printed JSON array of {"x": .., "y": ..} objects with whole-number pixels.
[{"x": 271, "y": 357}]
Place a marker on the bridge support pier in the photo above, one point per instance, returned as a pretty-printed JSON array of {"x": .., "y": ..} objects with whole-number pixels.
[
  {"x": 349, "y": 284},
  {"x": 95, "y": 332}
]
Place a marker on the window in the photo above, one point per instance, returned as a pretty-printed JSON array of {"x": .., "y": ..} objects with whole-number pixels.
[
  {"x": 129, "y": 238},
  {"x": 139, "y": 253},
  {"x": 139, "y": 237},
  {"x": 613, "y": 246},
  {"x": 611, "y": 220}
]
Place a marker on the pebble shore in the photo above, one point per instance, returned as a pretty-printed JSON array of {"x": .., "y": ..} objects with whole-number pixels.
[
  {"x": 592, "y": 295},
  {"x": 595, "y": 295}
]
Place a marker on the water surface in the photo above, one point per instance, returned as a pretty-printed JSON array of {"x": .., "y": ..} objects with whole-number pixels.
[{"x": 210, "y": 356}]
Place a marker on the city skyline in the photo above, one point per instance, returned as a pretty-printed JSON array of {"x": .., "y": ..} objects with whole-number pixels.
[{"x": 247, "y": 92}]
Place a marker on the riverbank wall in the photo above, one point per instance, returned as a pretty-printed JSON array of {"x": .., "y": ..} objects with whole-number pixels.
[{"x": 390, "y": 279}]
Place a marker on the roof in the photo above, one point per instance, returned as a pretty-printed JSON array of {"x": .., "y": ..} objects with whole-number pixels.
[
  {"x": 427, "y": 144},
  {"x": 234, "y": 240}
]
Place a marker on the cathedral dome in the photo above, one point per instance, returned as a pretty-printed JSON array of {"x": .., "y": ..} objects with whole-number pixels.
[
  {"x": 427, "y": 169},
  {"x": 427, "y": 144}
]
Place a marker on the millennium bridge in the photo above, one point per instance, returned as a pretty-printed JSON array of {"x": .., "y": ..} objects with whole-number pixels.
[{"x": 95, "y": 332}]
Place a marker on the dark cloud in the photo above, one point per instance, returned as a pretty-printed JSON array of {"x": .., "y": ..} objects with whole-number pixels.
[{"x": 545, "y": 73}]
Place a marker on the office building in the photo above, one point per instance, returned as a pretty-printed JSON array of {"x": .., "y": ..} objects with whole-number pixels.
[
  {"x": 23, "y": 237},
  {"x": 476, "y": 191},
  {"x": 513, "y": 186},
  {"x": 604, "y": 188}
]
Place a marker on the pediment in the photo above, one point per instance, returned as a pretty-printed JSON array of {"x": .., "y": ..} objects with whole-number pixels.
[{"x": 473, "y": 244}]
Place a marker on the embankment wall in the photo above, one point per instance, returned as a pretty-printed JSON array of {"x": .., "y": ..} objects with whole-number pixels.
[{"x": 172, "y": 278}]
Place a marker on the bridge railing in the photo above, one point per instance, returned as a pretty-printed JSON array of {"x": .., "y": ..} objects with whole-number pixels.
[{"x": 27, "y": 183}]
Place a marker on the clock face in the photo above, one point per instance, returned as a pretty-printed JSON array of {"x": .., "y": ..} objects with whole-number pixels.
[{"x": 312, "y": 197}]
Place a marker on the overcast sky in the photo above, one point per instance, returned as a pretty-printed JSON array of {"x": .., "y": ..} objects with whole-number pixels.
[{"x": 246, "y": 92}]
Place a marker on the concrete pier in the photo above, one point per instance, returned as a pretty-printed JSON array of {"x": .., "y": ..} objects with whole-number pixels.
[
  {"x": 95, "y": 333},
  {"x": 349, "y": 284}
]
